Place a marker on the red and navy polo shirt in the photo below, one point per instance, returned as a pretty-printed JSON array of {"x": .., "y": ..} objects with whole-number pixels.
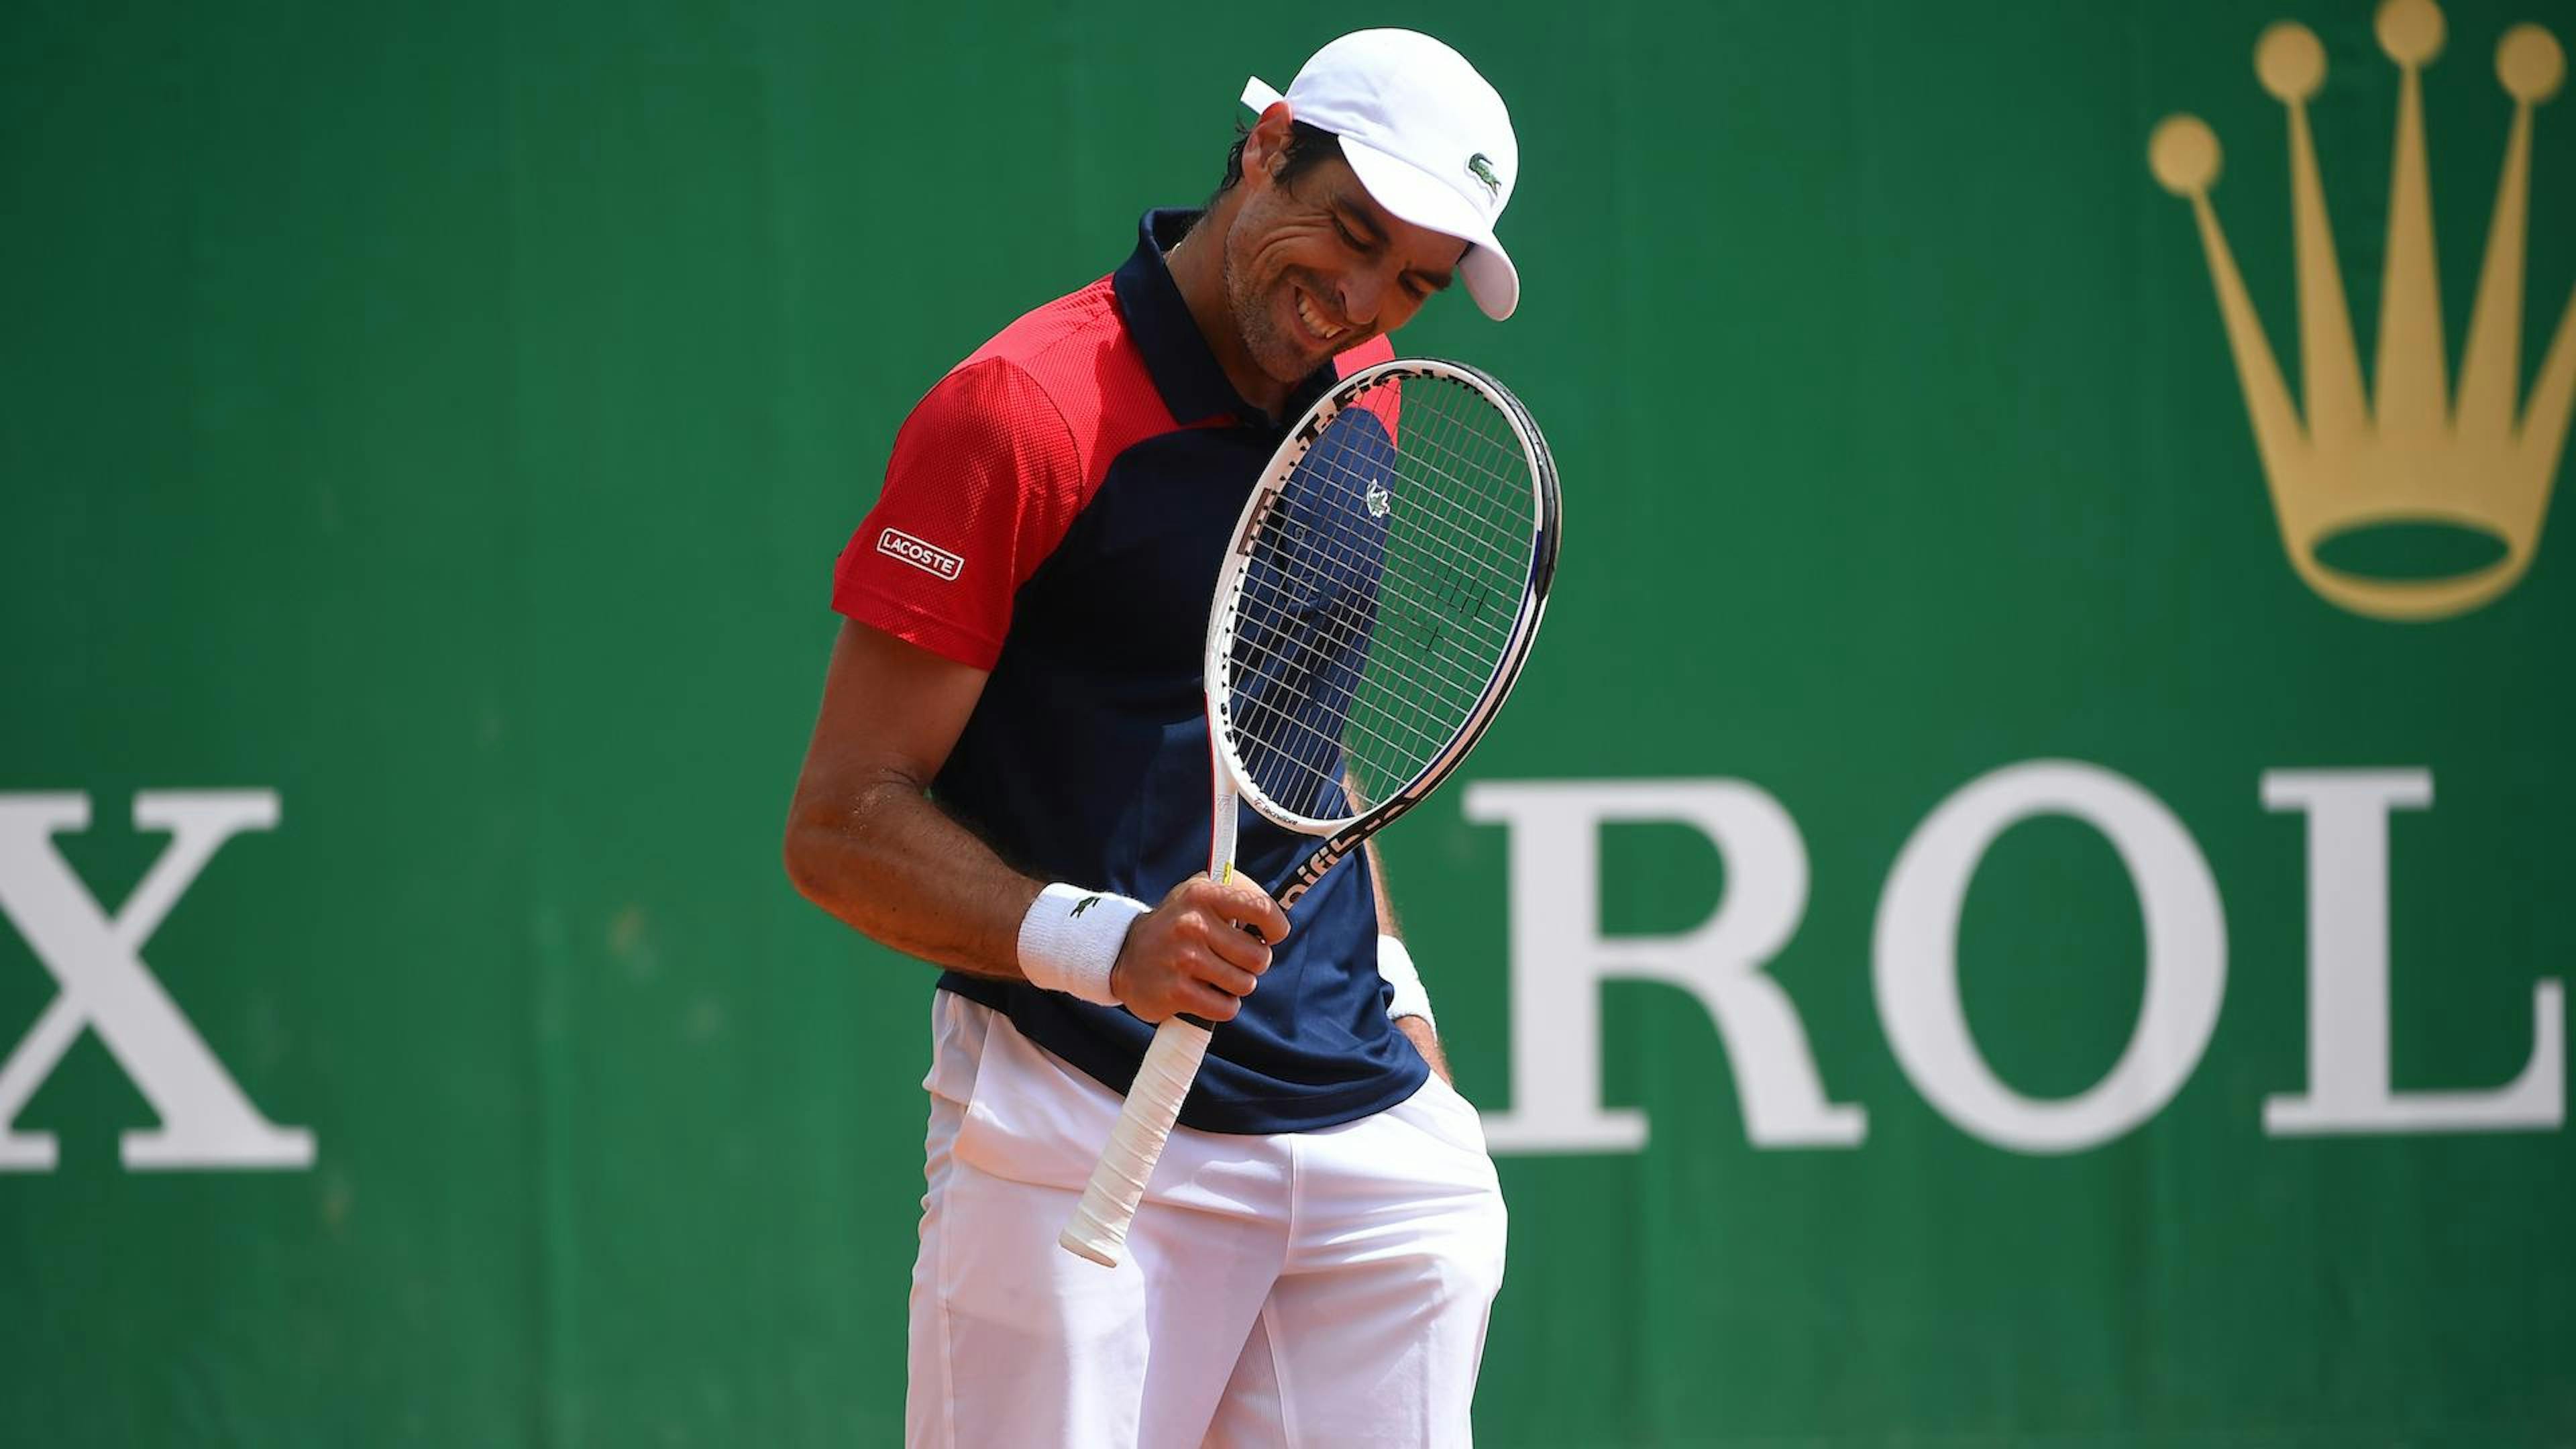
[{"x": 1055, "y": 513}]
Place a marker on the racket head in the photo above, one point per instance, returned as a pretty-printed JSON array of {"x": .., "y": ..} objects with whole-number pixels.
[{"x": 1379, "y": 596}]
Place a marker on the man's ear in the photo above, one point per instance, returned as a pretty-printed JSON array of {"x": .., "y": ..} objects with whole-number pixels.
[{"x": 1266, "y": 148}]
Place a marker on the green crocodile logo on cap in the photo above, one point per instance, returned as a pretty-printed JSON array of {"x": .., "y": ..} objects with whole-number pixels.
[{"x": 1483, "y": 170}]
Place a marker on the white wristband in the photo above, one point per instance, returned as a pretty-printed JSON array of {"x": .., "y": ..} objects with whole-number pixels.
[
  {"x": 1070, "y": 939},
  {"x": 1395, "y": 967}
]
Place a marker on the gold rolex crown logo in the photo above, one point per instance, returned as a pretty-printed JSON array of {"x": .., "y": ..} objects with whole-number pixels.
[{"x": 2411, "y": 454}]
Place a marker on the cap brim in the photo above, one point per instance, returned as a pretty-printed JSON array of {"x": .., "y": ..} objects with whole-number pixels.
[{"x": 1417, "y": 196}]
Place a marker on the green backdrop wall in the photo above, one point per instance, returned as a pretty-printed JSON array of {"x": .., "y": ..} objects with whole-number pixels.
[{"x": 427, "y": 434}]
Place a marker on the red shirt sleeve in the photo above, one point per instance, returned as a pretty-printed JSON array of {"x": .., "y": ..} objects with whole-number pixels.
[{"x": 984, "y": 483}]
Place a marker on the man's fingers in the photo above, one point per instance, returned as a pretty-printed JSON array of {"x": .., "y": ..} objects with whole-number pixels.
[
  {"x": 1190, "y": 998},
  {"x": 1250, "y": 905},
  {"x": 1238, "y": 901},
  {"x": 1193, "y": 954},
  {"x": 1239, "y": 948},
  {"x": 1230, "y": 979},
  {"x": 1207, "y": 1003}
]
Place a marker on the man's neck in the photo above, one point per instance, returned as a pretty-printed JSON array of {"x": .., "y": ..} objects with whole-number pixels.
[{"x": 1197, "y": 263}]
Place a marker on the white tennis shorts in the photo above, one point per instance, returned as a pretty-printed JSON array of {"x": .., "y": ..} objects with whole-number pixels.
[{"x": 1324, "y": 1289}]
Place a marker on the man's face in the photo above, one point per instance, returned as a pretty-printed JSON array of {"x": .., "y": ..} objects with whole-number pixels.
[{"x": 1314, "y": 267}]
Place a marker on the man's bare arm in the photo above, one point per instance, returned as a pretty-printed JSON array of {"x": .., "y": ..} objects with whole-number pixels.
[
  {"x": 1426, "y": 1040},
  {"x": 865, "y": 842}
]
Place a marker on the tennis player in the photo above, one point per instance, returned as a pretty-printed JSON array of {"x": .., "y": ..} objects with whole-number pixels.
[{"x": 1010, "y": 774}]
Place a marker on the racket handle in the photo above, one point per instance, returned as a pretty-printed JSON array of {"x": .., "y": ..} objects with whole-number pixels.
[{"x": 1099, "y": 1227}]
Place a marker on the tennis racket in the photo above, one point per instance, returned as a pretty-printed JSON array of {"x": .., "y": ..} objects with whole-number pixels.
[{"x": 1383, "y": 586}]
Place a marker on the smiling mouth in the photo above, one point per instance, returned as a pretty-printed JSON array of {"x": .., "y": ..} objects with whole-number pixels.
[{"x": 1316, "y": 326}]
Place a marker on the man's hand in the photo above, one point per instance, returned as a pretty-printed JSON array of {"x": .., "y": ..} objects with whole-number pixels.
[{"x": 1191, "y": 954}]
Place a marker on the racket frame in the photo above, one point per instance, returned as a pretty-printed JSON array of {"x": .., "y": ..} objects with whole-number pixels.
[
  {"x": 1098, "y": 1227},
  {"x": 1344, "y": 834}
]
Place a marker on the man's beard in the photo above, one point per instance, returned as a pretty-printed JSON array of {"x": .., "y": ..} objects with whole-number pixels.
[{"x": 1279, "y": 358}]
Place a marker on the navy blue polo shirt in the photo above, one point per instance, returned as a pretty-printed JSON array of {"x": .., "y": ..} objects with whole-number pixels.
[{"x": 1055, "y": 512}]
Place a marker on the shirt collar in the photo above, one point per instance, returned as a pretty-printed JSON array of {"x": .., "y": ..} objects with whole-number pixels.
[{"x": 1183, "y": 367}]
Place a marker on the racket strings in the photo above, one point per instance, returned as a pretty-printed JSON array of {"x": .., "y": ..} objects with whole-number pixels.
[
  {"x": 1381, "y": 596},
  {"x": 1340, "y": 633},
  {"x": 1278, "y": 702}
]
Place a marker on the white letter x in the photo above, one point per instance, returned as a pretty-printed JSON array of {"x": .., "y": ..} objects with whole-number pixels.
[{"x": 205, "y": 1119}]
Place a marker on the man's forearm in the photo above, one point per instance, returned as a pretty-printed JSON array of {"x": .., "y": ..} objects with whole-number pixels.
[
  {"x": 1427, "y": 1041},
  {"x": 1377, "y": 883},
  {"x": 1418, "y": 1029},
  {"x": 895, "y": 866}
]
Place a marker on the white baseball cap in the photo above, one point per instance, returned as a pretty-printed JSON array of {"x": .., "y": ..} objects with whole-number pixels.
[{"x": 1425, "y": 134}]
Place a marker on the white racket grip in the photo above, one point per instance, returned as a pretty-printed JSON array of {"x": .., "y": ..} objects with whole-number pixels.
[{"x": 1099, "y": 1227}]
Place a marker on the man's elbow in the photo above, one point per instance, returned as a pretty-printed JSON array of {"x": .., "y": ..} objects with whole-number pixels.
[
  {"x": 806, "y": 853},
  {"x": 840, "y": 841}
]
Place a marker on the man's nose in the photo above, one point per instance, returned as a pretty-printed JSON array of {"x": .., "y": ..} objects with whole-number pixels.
[{"x": 1362, "y": 294}]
